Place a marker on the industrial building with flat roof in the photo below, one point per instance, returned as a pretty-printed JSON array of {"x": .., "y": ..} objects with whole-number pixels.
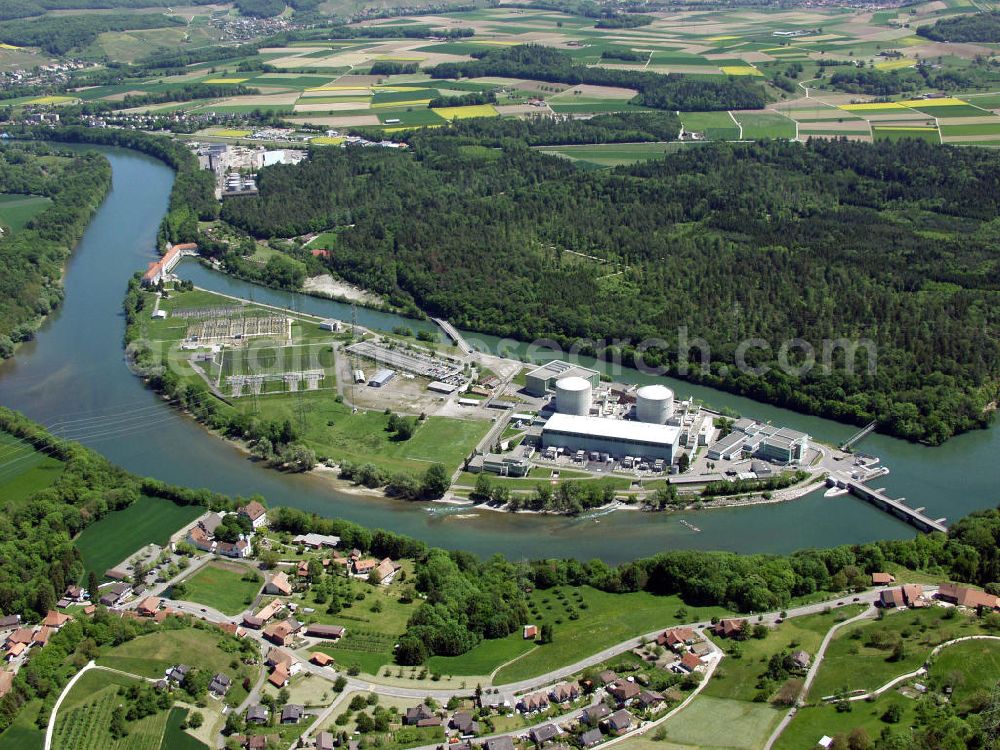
[
  {"x": 748, "y": 438},
  {"x": 543, "y": 379},
  {"x": 616, "y": 437}
]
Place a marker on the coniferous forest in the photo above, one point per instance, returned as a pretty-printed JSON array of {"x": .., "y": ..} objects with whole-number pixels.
[{"x": 772, "y": 240}]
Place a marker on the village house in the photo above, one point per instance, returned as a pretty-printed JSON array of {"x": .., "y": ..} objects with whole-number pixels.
[
  {"x": 544, "y": 733},
  {"x": 149, "y": 606},
  {"x": 239, "y": 549},
  {"x": 463, "y": 723},
  {"x": 55, "y": 619},
  {"x": 9, "y": 622},
  {"x": 967, "y": 597},
  {"x": 278, "y": 585},
  {"x": 623, "y": 691},
  {"x": 607, "y": 677},
  {"x": 529, "y": 704},
  {"x": 257, "y": 714},
  {"x": 649, "y": 699},
  {"x": 115, "y": 593},
  {"x": 530, "y": 632},
  {"x": 729, "y": 628},
  {"x": 363, "y": 568},
  {"x": 220, "y": 685},
  {"x": 316, "y": 541},
  {"x": 41, "y": 636},
  {"x": 593, "y": 715},
  {"x": 280, "y": 633},
  {"x": 324, "y": 741},
  {"x": 499, "y": 743},
  {"x": 321, "y": 660},
  {"x": 913, "y": 594},
  {"x": 15, "y": 650},
  {"x": 291, "y": 713},
  {"x": 414, "y": 716},
  {"x": 690, "y": 663},
  {"x": 177, "y": 673},
  {"x": 75, "y": 594},
  {"x": 801, "y": 659},
  {"x": 882, "y": 579},
  {"x": 256, "y": 512},
  {"x": 676, "y": 638},
  {"x": 892, "y": 598},
  {"x": 386, "y": 571},
  {"x": 619, "y": 722},
  {"x": 565, "y": 692},
  {"x": 591, "y": 737},
  {"x": 279, "y": 676}
]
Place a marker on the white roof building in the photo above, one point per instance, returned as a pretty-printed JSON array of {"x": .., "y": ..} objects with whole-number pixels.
[{"x": 614, "y": 436}]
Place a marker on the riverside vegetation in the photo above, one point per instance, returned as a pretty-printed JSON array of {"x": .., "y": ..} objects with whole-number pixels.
[{"x": 32, "y": 259}]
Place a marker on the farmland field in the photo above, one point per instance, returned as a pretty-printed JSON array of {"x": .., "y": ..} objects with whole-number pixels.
[
  {"x": 715, "y": 125},
  {"x": 107, "y": 542},
  {"x": 765, "y": 125},
  {"x": 17, "y": 210},
  {"x": 483, "y": 658},
  {"x": 221, "y": 586},
  {"x": 895, "y": 133}
]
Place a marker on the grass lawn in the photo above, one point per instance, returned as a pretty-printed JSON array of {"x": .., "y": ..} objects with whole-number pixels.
[
  {"x": 23, "y": 733},
  {"x": 898, "y": 133},
  {"x": 17, "y": 210},
  {"x": 851, "y": 664},
  {"x": 709, "y": 723},
  {"x": 812, "y": 722},
  {"x": 27, "y": 470},
  {"x": 613, "y": 154},
  {"x": 978, "y": 663},
  {"x": 369, "y": 662},
  {"x": 482, "y": 659},
  {"x": 985, "y": 128},
  {"x": 737, "y": 678},
  {"x": 222, "y": 586},
  {"x": 606, "y": 620},
  {"x": 151, "y": 655},
  {"x": 104, "y": 544}
]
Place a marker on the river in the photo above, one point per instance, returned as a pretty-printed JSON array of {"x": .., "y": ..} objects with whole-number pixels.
[{"x": 73, "y": 379}]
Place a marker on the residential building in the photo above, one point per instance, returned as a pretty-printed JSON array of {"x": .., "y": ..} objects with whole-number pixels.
[
  {"x": 565, "y": 692},
  {"x": 623, "y": 691},
  {"x": 728, "y": 628},
  {"x": 882, "y": 579},
  {"x": 320, "y": 659},
  {"x": 257, "y": 714},
  {"x": 280, "y": 633},
  {"x": 256, "y": 512},
  {"x": 415, "y": 715},
  {"x": 149, "y": 606},
  {"x": 593, "y": 715},
  {"x": 544, "y": 733},
  {"x": 892, "y": 598},
  {"x": 690, "y": 663},
  {"x": 535, "y": 702},
  {"x": 220, "y": 685},
  {"x": 462, "y": 722},
  {"x": 649, "y": 699},
  {"x": 363, "y": 568},
  {"x": 591, "y": 737},
  {"x": 801, "y": 659},
  {"x": 499, "y": 743},
  {"x": 386, "y": 571},
  {"x": 913, "y": 594},
  {"x": 178, "y": 672},
  {"x": 55, "y": 619},
  {"x": 964, "y": 596},
  {"x": 619, "y": 722},
  {"x": 291, "y": 713},
  {"x": 279, "y": 585},
  {"x": 324, "y": 741}
]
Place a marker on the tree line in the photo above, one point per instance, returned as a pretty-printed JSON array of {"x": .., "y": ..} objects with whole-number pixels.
[
  {"x": 32, "y": 260},
  {"x": 670, "y": 92},
  {"x": 970, "y": 27}
]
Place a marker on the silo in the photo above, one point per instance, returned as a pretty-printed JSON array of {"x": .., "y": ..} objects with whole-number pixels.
[
  {"x": 654, "y": 404},
  {"x": 573, "y": 396}
]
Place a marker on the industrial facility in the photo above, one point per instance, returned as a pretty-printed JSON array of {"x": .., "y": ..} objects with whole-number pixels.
[
  {"x": 752, "y": 438},
  {"x": 618, "y": 438},
  {"x": 543, "y": 379}
]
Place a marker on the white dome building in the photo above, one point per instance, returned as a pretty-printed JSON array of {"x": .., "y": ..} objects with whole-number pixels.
[
  {"x": 573, "y": 396},
  {"x": 654, "y": 404}
]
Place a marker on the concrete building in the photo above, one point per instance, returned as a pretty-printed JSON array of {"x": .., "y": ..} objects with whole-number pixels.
[
  {"x": 654, "y": 404},
  {"x": 502, "y": 465},
  {"x": 748, "y": 438},
  {"x": 618, "y": 438},
  {"x": 573, "y": 396},
  {"x": 543, "y": 379}
]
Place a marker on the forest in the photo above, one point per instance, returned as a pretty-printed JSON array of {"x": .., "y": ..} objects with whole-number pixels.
[
  {"x": 31, "y": 261},
  {"x": 716, "y": 245},
  {"x": 25, "y": 8},
  {"x": 975, "y": 27},
  {"x": 874, "y": 82},
  {"x": 58, "y": 35},
  {"x": 671, "y": 92}
]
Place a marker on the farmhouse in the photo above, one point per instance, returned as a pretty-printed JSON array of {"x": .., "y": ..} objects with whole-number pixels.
[
  {"x": 320, "y": 659},
  {"x": 892, "y": 598},
  {"x": 363, "y": 568},
  {"x": 55, "y": 620},
  {"x": 329, "y": 632},
  {"x": 278, "y": 584},
  {"x": 689, "y": 663},
  {"x": 386, "y": 571},
  {"x": 280, "y": 633},
  {"x": 728, "y": 628},
  {"x": 966, "y": 597},
  {"x": 882, "y": 579},
  {"x": 256, "y": 512}
]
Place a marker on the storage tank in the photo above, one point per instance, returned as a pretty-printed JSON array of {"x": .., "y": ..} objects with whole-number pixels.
[
  {"x": 573, "y": 395},
  {"x": 654, "y": 404}
]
